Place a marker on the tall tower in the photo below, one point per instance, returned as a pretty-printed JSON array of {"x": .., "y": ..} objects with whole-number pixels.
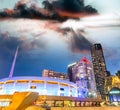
[
  {"x": 13, "y": 64},
  {"x": 99, "y": 67},
  {"x": 84, "y": 78}
]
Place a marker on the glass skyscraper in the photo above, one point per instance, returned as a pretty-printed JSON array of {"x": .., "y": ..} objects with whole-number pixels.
[{"x": 99, "y": 67}]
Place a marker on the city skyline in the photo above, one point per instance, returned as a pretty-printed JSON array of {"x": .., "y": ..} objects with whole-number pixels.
[{"x": 53, "y": 44}]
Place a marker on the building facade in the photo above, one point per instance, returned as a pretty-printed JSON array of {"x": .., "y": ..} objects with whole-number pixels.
[
  {"x": 99, "y": 67},
  {"x": 53, "y": 74},
  {"x": 70, "y": 73},
  {"x": 44, "y": 86},
  {"x": 112, "y": 88},
  {"x": 84, "y": 78}
]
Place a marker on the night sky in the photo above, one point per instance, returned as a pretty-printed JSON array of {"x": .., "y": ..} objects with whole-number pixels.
[{"x": 49, "y": 42}]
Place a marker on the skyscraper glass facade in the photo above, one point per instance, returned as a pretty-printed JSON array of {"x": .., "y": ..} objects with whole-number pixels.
[{"x": 99, "y": 67}]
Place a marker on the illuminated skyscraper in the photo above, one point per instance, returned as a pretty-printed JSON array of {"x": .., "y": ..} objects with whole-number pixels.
[
  {"x": 99, "y": 67},
  {"x": 84, "y": 77}
]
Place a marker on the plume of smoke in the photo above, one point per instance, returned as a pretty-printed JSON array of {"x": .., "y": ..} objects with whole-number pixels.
[
  {"x": 51, "y": 10},
  {"x": 77, "y": 43}
]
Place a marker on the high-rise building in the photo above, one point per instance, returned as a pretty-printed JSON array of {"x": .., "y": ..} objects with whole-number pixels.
[
  {"x": 70, "y": 74},
  {"x": 99, "y": 67},
  {"x": 84, "y": 78}
]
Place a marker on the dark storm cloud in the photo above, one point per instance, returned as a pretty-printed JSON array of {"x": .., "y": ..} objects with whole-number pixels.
[
  {"x": 22, "y": 11},
  {"x": 60, "y": 10},
  {"x": 9, "y": 43},
  {"x": 78, "y": 43},
  {"x": 71, "y": 6}
]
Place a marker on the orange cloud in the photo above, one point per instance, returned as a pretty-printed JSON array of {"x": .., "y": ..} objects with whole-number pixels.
[{"x": 63, "y": 13}]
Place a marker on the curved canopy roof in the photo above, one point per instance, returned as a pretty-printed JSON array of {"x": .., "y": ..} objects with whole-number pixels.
[{"x": 114, "y": 90}]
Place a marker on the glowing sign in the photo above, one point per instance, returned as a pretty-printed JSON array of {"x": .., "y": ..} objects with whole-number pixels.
[{"x": 114, "y": 92}]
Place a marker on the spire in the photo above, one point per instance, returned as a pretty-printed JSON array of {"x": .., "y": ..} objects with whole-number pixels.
[{"x": 13, "y": 64}]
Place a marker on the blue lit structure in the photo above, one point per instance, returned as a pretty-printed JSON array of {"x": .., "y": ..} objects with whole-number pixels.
[
  {"x": 84, "y": 77},
  {"x": 51, "y": 86},
  {"x": 114, "y": 94},
  {"x": 44, "y": 86}
]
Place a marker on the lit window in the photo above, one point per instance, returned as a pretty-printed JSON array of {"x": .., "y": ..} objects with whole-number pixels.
[{"x": 32, "y": 87}]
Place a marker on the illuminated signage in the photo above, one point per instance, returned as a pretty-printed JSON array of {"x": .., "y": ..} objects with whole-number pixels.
[{"x": 114, "y": 92}]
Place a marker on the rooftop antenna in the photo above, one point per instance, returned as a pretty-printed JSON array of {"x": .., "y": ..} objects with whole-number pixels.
[{"x": 13, "y": 64}]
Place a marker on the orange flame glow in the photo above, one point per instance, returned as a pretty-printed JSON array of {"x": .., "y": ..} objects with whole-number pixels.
[{"x": 63, "y": 13}]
